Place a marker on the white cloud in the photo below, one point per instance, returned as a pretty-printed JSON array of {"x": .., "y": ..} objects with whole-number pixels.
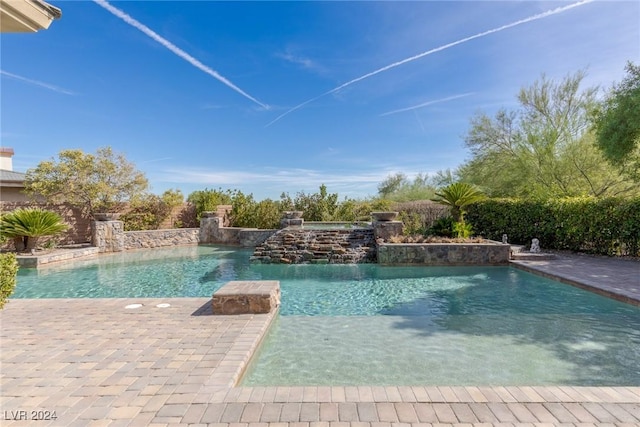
[
  {"x": 37, "y": 83},
  {"x": 425, "y": 104},
  {"x": 435, "y": 50},
  {"x": 175, "y": 49}
]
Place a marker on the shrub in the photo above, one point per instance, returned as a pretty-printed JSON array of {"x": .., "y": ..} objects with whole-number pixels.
[
  {"x": 208, "y": 200},
  {"x": 8, "y": 273},
  {"x": 27, "y": 225},
  {"x": 442, "y": 227},
  {"x": 426, "y": 212},
  {"x": 149, "y": 211},
  {"x": 608, "y": 226},
  {"x": 412, "y": 223}
]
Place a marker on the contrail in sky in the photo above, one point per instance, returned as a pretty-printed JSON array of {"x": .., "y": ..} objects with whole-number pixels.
[
  {"x": 175, "y": 49},
  {"x": 424, "y": 104},
  {"x": 437, "y": 49},
  {"x": 37, "y": 83}
]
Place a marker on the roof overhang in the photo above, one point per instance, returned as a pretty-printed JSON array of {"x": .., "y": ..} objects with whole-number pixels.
[{"x": 23, "y": 16}]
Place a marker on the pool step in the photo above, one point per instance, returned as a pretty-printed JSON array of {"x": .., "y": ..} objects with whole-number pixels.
[{"x": 247, "y": 297}]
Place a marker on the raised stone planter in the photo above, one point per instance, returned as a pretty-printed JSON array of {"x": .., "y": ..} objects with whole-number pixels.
[
  {"x": 247, "y": 297},
  {"x": 443, "y": 254},
  {"x": 55, "y": 256}
]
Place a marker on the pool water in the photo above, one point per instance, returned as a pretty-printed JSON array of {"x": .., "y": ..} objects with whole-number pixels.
[
  {"x": 372, "y": 325},
  {"x": 187, "y": 271}
]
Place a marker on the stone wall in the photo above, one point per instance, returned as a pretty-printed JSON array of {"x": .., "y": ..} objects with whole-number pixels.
[
  {"x": 443, "y": 254},
  {"x": 159, "y": 238},
  {"x": 299, "y": 246},
  {"x": 212, "y": 230},
  {"x": 108, "y": 236}
]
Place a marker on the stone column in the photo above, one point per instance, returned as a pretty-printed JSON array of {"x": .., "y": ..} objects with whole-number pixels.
[
  {"x": 210, "y": 223},
  {"x": 292, "y": 219},
  {"x": 387, "y": 229},
  {"x": 107, "y": 236}
]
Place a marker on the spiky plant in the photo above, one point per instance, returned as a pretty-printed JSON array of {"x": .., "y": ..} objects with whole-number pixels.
[
  {"x": 29, "y": 224},
  {"x": 457, "y": 196}
]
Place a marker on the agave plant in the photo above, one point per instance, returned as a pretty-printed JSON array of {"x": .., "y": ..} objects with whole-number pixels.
[
  {"x": 457, "y": 196},
  {"x": 25, "y": 226}
]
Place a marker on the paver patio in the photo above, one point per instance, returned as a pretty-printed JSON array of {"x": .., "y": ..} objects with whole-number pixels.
[{"x": 96, "y": 363}]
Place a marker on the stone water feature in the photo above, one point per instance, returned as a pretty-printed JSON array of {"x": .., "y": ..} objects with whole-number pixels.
[
  {"x": 338, "y": 244},
  {"x": 297, "y": 245}
]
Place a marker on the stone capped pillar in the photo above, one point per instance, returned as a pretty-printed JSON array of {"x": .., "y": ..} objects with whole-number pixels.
[
  {"x": 387, "y": 229},
  {"x": 107, "y": 236},
  {"x": 209, "y": 226},
  {"x": 385, "y": 226}
]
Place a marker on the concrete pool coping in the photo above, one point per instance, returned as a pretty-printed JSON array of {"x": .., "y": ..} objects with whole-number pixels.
[{"x": 95, "y": 362}]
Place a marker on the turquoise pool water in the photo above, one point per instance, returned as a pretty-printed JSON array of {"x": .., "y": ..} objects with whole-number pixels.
[
  {"x": 367, "y": 324},
  {"x": 188, "y": 271}
]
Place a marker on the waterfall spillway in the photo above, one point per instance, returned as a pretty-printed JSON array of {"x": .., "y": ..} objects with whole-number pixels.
[{"x": 332, "y": 246}]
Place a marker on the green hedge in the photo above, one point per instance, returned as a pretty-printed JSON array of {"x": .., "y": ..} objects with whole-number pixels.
[
  {"x": 608, "y": 226},
  {"x": 8, "y": 272}
]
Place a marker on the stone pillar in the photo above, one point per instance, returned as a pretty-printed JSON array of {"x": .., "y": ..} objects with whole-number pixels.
[
  {"x": 387, "y": 229},
  {"x": 292, "y": 219},
  {"x": 209, "y": 228},
  {"x": 107, "y": 236}
]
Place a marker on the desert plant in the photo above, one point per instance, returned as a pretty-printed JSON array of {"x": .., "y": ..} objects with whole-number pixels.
[
  {"x": 442, "y": 227},
  {"x": 462, "y": 230},
  {"x": 8, "y": 272},
  {"x": 457, "y": 196},
  {"x": 27, "y": 225}
]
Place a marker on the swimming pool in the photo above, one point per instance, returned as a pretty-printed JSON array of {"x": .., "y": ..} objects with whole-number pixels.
[
  {"x": 447, "y": 326},
  {"x": 373, "y": 325},
  {"x": 185, "y": 271}
]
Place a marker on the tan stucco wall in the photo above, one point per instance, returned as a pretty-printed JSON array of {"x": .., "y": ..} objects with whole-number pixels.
[{"x": 12, "y": 194}]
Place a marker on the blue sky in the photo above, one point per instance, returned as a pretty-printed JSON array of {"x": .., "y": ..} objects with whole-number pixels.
[{"x": 267, "y": 97}]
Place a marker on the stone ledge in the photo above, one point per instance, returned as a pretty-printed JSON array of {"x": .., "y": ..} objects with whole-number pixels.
[
  {"x": 247, "y": 297},
  {"x": 532, "y": 256},
  {"x": 40, "y": 259}
]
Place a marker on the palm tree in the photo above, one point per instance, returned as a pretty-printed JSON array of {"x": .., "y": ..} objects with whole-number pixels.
[
  {"x": 457, "y": 196},
  {"x": 25, "y": 226}
]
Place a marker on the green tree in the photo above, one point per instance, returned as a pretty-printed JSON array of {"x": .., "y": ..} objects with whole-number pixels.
[
  {"x": 399, "y": 188},
  {"x": 148, "y": 211},
  {"x": 544, "y": 148},
  {"x": 99, "y": 182},
  {"x": 458, "y": 196},
  {"x": 617, "y": 124},
  {"x": 319, "y": 206},
  {"x": 208, "y": 200},
  {"x": 27, "y": 225}
]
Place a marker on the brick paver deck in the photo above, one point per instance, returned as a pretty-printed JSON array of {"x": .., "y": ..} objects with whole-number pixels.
[{"x": 96, "y": 363}]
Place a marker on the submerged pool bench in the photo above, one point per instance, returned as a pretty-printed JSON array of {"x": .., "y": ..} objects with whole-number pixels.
[{"x": 247, "y": 297}]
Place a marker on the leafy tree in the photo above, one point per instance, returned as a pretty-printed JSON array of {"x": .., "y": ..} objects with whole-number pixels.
[
  {"x": 399, "y": 188},
  {"x": 208, "y": 200},
  {"x": 544, "y": 148},
  {"x": 29, "y": 224},
  {"x": 98, "y": 182},
  {"x": 319, "y": 206},
  {"x": 392, "y": 184},
  {"x": 8, "y": 273},
  {"x": 458, "y": 196},
  {"x": 617, "y": 124},
  {"x": 148, "y": 211}
]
